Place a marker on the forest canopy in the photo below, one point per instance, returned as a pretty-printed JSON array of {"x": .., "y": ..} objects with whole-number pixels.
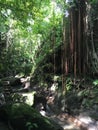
[
  {"x": 35, "y": 34},
  {"x": 25, "y": 25}
]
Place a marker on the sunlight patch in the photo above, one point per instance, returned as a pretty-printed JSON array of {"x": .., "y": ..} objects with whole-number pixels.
[{"x": 29, "y": 98}]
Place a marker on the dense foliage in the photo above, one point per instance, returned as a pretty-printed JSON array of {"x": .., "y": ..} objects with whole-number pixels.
[
  {"x": 26, "y": 34},
  {"x": 35, "y": 34}
]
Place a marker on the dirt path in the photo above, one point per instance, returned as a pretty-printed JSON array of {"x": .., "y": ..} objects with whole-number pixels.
[
  {"x": 81, "y": 122},
  {"x": 64, "y": 120},
  {"x": 65, "y": 123},
  {"x": 84, "y": 121}
]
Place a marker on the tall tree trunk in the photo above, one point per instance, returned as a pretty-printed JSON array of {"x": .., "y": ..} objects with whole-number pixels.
[{"x": 75, "y": 52}]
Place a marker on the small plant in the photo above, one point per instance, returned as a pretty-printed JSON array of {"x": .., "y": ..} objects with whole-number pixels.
[
  {"x": 95, "y": 82},
  {"x": 68, "y": 84},
  {"x": 18, "y": 98},
  {"x": 31, "y": 125}
]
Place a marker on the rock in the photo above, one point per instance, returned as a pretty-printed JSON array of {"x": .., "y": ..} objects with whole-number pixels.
[
  {"x": 13, "y": 81},
  {"x": 23, "y": 117},
  {"x": 3, "y": 126}
]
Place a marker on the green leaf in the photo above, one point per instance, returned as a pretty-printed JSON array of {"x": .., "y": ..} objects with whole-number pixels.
[{"x": 95, "y": 82}]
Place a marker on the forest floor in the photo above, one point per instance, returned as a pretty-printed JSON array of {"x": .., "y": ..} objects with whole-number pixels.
[
  {"x": 83, "y": 121},
  {"x": 62, "y": 119},
  {"x": 65, "y": 122},
  {"x": 68, "y": 122}
]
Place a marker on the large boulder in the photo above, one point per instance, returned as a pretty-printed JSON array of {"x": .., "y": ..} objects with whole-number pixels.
[{"x": 21, "y": 116}]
